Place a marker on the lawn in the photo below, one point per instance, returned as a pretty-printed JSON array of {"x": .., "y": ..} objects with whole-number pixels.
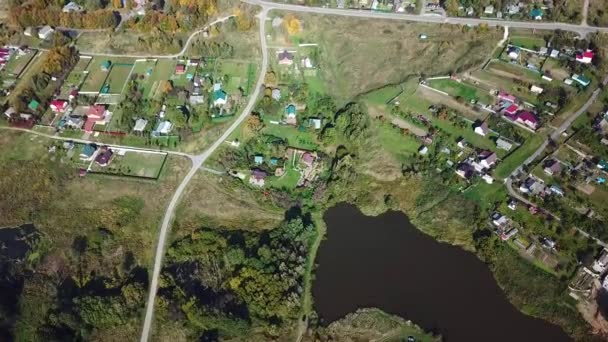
[
  {"x": 182, "y": 80},
  {"x": 300, "y": 139},
  {"x": 462, "y": 89},
  {"x": 515, "y": 71},
  {"x": 139, "y": 164},
  {"x": 95, "y": 77},
  {"x": 83, "y": 63},
  {"x": 17, "y": 64},
  {"x": 118, "y": 77},
  {"x": 289, "y": 180},
  {"x": 515, "y": 159},
  {"x": 486, "y": 195},
  {"x": 393, "y": 141},
  {"x": 162, "y": 70},
  {"x": 528, "y": 42},
  {"x": 505, "y": 83},
  {"x": 469, "y": 135},
  {"x": 237, "y": 74}
]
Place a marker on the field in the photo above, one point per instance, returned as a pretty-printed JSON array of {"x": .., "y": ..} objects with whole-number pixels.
[
  {"x": 528, "y": 41},
  {"x": 231, "y": 206},
  {"x": 514, "y": 71},
  {"x": 597, "y": 16},
  {"x": 183, "y": 79},
  {"x": 17, "y": 64},
  {"x": 118, "y": 77},
  {"x": 238, "y": 75},
  {"x": 296, "y": 138},
  {"x": 499, "y": 82},
  {"x": 353, "y": 64},
  {"x": 466, "y": 91},
  {"x": 159, "y": 70},
  {"x": 138, "y": 164},
  {"x": 96, "y": 78},
  {"x": 515, "y": 159}
]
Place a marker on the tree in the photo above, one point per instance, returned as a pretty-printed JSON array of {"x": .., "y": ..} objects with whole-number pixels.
[
  {"x": 244, "y": 19},
  {"x": 292, "y": 24},
  {"x": 270, "y": 79},
  {"x": 255, "y": 123},
  {"x": 451, "y": 6}
]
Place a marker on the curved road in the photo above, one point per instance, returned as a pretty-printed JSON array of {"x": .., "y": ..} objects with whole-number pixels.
[
  {"x": 197, "y": 162},
  {"x": 175, "y": 55}
]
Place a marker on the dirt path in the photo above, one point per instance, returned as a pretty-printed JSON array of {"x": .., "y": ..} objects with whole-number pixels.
[
  {"x": 376, "y": 112},
  {"x": 434, "y": 97}
]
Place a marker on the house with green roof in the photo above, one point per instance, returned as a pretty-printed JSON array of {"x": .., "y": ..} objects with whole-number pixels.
[
  {"x": 580, "y": 79},
  {"x": 536, "y": 14},
  {"x": 219, "y": 95},
  {"x": 33, "y": 105},
  {"x": 105, "y": 66}
]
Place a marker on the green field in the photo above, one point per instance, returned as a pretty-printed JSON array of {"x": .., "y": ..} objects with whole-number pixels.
[
  {"x": 289, "y": 180},
  {"x": 515, "y": 71},
  {"x": 17, "y": 63},
  {"x": 237, "y": 74},
  {"x": 162, "y": 70},
  {"x": 95, "y": 77},
  {"x": 510, "y": 163},
  {"x": 83, "y": 63},
  {"x": 462, "y": 89},
  {"x": 118, "y": 77},
  {"x": 296, "y": 138},
  {"x": 528, "y": 42},
  {"x": 505, "y": 84},
  {"x": 393, "y": 141},
  {"x": 140, "y": 164}
]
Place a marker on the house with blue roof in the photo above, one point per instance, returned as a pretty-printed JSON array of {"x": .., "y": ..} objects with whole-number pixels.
[
  {"x": 258, "y": 159},
  {"x": 290, "y": 114},
  {"x": 580, "y": 79}
]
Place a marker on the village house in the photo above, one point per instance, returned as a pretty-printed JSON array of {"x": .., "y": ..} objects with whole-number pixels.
[
  {"x": 58, "y": 106},
  {"x": 552, "y": 167},
  {"x": 487, "y": 159},
  {"x": 285, "y": 58},
  {"x": 258, "y": 159},
  {"x": 482, "y": 129},
  {"x": 88, "y": 151},
  {"x": 140, "y": 125},
  {"x": 461, "y": 143},
  {"x": 536, "y": 89},
  {"x": 104, "y": 157},
  {"x": 95, "y": 115},
  {"x": 10, "y": 112},
  {"x": 180, "y": 69},
  {"x": 162, "y": 128},
  {"x": 45, "y": 32},
  {"x": 308, "y": 158},
  {"x": 585, "y": 57},
  {"x": 503, "y": 144},
  {"x": 601, "y": 263},
  {"x": 72, "y": 7},
  {"x": 33, "y": 105},
  {"x": 275, "y": 94},
  {"x": 488, "y": 10},
  {"x": 423, "y": 150},
  {"x": 73, "y": 94},
  {"x": 525, "y": 118},
  {"x": 194, "y": 61},
  {"x": 512, "y": 204},
  {"x": 557, "y": 190},
  {"x": 105, "y": 66},
  {"x": 258, "y": 177},
  {"x": 315, "y": 123},
  {"x": 219, "y": 95},
  {"x": 504, "y": 96},
  {"x": 499, "y": 220},
  {"x": 465, "y": 170},
  {"x": 536, "y": 14},
  {"x": 582, "y": 80},
  {"x": 290, "y": 114},
  {"x": 513, "y": 52}
]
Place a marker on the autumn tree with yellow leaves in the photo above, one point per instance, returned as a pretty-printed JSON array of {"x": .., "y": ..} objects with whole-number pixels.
[{"x": 292, "y": 24}]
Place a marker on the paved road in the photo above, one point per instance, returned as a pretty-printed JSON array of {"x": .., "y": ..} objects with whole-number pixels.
[
  {"x": 580, "y": 29},
  {"x": 197, "y": 162}
]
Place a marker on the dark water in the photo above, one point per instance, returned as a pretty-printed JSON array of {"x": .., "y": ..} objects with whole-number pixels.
[{"x": 385, "y": 262}]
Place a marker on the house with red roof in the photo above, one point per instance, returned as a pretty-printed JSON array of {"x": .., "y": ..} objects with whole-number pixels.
[
  {"x": 528, "y": 119},
  {"x": 511, "y": 110},
  {"x": 59, "y": 106},
  {"x": 180, "y": 69},
  {"x": 73, "y": 94},
  {"x": 502, "y": 95},
  {"x": 95, "y": 115},
  {"x": 585, "y": 57}
]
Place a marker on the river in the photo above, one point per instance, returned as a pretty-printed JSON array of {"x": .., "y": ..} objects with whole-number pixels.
[{"x": 385, "y": 262}]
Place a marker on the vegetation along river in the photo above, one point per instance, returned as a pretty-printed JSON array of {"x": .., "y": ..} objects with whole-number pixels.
[{"x": 385, "y": 262}]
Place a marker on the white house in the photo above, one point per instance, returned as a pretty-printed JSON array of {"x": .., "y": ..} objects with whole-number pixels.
[
  {"x": 72, "y": 7},
  {"x": 536, "y": 90},
  {"x": 488, "y": 10},
  {"x": 482, "y": 129},
  {"x": 164, "y": 127},
  {"x": 601, "y": 263},
  {"x": 45, "y": 32}
]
